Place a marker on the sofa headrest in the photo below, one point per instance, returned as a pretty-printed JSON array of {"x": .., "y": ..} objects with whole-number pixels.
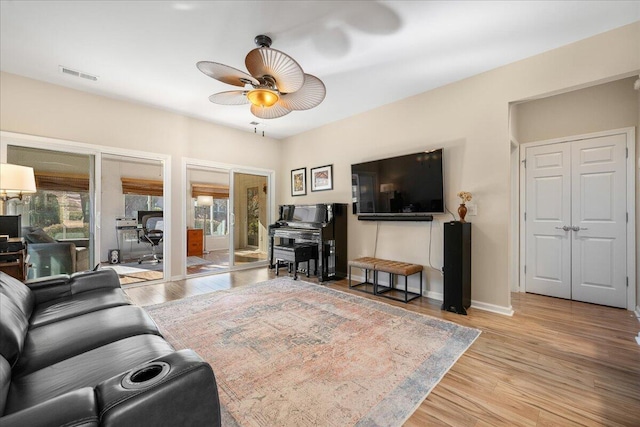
[
  {"x": 36, "y": 235},
  {"x": 89, "y": 280}
]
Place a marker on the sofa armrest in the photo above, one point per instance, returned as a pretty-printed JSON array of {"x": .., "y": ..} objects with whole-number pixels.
[
  {"x": 50, "y": 287},
  {"x": 76, "y": 408},
  {"x": 182, "y": 392}
]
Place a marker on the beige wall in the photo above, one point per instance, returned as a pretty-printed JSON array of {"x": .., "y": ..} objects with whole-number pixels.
[
  {"x": 602, "y": 107},
  {"x": 37, "y": 108},
  {"x": 470, "y": 119}
]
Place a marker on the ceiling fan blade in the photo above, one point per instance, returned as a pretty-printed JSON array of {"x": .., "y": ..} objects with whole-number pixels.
[
  {"x": 310, "y": 95},
  {"x": 226, "y": 74},
  {"x": 269, "y": 112},
  {"x": 231, "y": 97},
  {"x": 264, "y": 61}
]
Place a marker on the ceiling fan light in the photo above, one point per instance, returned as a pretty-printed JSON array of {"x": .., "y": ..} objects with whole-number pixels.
[{"x": 263, "y": 97}]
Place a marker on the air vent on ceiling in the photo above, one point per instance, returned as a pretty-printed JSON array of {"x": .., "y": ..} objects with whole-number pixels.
[
  {"x": 254, "y": 123},
  {"x": 76, "y": 73}
]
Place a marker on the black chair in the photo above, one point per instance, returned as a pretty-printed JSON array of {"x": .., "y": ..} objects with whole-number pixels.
[{"x": 152, "y": 234}]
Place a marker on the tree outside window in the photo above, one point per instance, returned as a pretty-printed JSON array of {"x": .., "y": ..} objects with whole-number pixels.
[
  {"x": 60, "y": 214},
  {"x": 212, "y": 219},
  {"x": 136, "y": 202}
]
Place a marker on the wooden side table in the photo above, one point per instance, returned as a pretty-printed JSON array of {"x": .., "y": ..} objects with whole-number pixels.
[
  {"x": 195, "y": 241},
  {"x": 14, "y": 262}
]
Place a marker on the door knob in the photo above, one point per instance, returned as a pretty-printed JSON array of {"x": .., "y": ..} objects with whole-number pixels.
[
  {"x": 576, "y": 228},
  {"x": 564, "y": 227}
]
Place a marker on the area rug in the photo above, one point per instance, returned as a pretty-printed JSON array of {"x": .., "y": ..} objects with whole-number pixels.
[
  {"x": 196, "y": 260},
  {"x": 291, "y": 353},
  {"x": 133, "y": 272}
]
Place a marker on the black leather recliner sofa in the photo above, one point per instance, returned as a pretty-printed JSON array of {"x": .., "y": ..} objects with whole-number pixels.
[{"x": 74, "y": 351}]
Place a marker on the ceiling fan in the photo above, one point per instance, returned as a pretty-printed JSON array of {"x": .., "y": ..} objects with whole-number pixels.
[{"x": 275, "y": 86}]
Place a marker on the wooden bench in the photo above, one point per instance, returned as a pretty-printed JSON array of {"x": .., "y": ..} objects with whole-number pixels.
[{"x": 393, "y": 268}]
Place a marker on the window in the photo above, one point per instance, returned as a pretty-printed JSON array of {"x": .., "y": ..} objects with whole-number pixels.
[
  {"x": 141, "y": 195},
  {"x": 136, "y": 202},
  {"x": 213, "y": 219},
  {"x": 61, "y": 214},
  {"x": 61, "y": 206}
]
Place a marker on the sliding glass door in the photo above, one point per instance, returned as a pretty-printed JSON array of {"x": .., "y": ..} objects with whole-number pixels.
[
  {"x": 132, "y": 191},
  {"x": 207, "y": 217},
  {"x": 89, "y": 199},
  {"x": 61, "y": 209},
  {"x": 250, "y": 218},
  {"x": 227, "y": 212}
]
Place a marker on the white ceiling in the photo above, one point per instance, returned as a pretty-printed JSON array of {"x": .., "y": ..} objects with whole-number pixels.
[{"x": 368, "y": 53}]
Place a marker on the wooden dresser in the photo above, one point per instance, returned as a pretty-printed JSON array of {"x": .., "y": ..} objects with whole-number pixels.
[{"x": 194, "y": 241}]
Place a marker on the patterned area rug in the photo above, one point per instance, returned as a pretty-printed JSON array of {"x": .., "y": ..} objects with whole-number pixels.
[{"x": 291, "y": 353}]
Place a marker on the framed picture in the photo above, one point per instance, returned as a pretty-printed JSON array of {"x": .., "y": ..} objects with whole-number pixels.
[
  {"x": 322, "y": 178},
  {"x": 299, "y": 182}
]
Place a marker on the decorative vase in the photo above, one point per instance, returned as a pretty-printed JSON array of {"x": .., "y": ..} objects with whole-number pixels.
[{"x": 462, "y": 211}]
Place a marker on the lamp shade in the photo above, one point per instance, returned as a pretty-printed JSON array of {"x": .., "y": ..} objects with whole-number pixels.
[
  {"x": 16, "y": 179},
  {"x": 204, "y": 200}
]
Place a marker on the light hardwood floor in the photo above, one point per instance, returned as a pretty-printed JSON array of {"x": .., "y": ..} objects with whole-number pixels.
[{"x": 554, "y": 363}]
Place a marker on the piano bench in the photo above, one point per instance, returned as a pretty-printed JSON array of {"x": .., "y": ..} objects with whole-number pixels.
[{"x": 292, "y": 255}]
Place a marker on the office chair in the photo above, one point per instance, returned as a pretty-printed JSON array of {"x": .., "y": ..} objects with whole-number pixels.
[{"x": 152, "y": 234}]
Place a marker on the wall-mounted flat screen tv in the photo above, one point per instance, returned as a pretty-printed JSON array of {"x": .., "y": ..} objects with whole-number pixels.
[{"x": 409, "y": 187}]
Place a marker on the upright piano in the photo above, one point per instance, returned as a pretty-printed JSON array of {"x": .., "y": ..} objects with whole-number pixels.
[{"x": 323, "y": 224}]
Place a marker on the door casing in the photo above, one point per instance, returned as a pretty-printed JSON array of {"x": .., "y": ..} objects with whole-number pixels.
[{"x": 631, "y": 202}]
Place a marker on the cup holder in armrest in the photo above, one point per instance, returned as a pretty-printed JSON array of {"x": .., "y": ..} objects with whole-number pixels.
[{"x": 145, "y": 375}]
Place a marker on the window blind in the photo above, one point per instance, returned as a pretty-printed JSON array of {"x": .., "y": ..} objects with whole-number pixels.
[
  {"x": 142, "y": 187},
  {"x": 217, "y": 191}
]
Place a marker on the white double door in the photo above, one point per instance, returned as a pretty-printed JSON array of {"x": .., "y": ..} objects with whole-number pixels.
[{"x": 576, "y": 220}]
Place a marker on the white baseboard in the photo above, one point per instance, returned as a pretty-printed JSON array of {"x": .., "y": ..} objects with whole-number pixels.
[
  {"x": 498, "y": 309},
  {"x": 637, "y": 312},
  {"x": 434, "y": 295}
]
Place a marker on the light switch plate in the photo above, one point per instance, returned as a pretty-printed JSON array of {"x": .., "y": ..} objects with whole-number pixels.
[{"x": 472, "y": 209}]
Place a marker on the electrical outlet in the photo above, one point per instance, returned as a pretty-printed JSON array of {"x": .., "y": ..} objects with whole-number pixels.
[{"x": 472, "y": 209}]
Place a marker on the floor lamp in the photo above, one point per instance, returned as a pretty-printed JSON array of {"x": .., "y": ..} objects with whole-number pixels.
[{"x": 205, "y": 201}]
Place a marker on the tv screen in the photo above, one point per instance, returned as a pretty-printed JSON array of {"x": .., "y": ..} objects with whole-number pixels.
[{"x": 399, "y": 187}]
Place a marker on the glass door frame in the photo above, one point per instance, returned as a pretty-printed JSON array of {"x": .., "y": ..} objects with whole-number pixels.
[
  {"x": 232, "y": 224},
  {"x": 232, "y": 170},
  {"x": 52, "y": 144}
]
